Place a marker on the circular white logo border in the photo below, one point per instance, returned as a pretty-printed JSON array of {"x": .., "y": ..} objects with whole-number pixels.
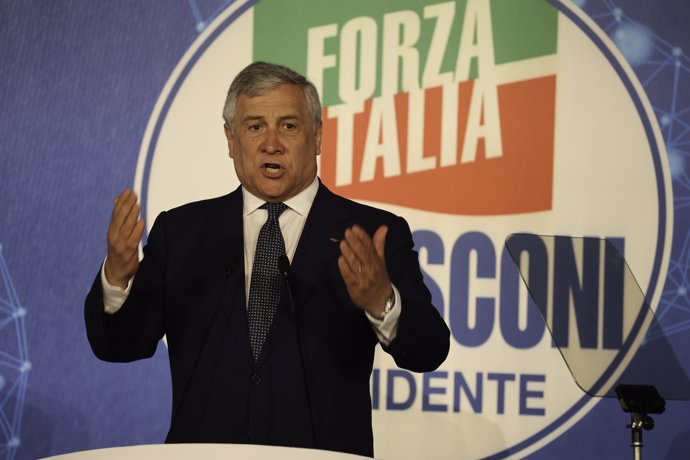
[{"x": 627, "y": 77}]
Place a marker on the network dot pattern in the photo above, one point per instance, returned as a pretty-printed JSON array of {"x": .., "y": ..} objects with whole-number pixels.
[
  {"x": 663, "y": 69},
  {"x": 14, "y": 364}
]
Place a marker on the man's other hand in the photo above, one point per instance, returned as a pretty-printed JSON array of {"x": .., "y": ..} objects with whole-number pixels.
[
  {"x": 363, "y": 268},
  {"x": 124, "y": 235}
]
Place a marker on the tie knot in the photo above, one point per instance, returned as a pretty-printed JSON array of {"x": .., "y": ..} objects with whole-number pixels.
[{"x": 274, "y": 210}]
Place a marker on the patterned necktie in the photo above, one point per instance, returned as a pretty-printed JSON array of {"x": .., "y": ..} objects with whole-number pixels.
[{"x": 265, "y": 284}]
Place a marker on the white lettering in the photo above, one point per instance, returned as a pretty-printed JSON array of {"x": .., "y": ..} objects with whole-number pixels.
[
  {"x": 381, "y": 141},
  {"x": 357, "y": 46},
  {"x": 317, "y": 59},
  {"x": 345, "y": 114},
  {"x": 449, "y": 125},
  {"x": 416, "y": 161},
  {"x": 484, "y": 120},
  {"x": 444, "y": 14},
  {"x": 400, "y": 35}
]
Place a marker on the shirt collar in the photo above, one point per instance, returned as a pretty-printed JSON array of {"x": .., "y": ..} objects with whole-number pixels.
[{"x": 300, "y": 203}]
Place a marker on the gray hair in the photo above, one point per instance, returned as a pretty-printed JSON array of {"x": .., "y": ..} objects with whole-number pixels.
[{"x": 261, "y": 77}]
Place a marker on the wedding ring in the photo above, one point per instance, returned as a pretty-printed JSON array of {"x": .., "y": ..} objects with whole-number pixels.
[{"x": 359, "y": 268}]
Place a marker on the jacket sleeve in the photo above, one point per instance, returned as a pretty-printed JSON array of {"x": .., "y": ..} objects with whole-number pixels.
[
  {"x": 423, "y": 339},
  {"x": 133, "y": 332}
]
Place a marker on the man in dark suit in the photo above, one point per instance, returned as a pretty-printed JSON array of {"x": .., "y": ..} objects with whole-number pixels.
[{"x": 208, "y": 282}]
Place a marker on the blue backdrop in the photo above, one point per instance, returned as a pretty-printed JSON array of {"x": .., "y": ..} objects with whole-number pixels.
[{"x": 78, "y": 83}]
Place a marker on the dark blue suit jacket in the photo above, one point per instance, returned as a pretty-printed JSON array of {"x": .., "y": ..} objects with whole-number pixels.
[{"x": 190, "y": 286}]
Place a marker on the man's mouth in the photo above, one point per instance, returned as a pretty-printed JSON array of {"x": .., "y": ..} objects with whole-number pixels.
[{"x": 272, "y": 168}]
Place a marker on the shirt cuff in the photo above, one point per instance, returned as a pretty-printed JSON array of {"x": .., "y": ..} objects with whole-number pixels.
[
  {"x": 387, "y": 328},
  {"x": 113, "y": 296}
]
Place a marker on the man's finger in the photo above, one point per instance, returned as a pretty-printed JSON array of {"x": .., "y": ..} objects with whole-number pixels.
[
  {"x": 121, "y": 199},
  {"x": 121, "y": 209},
  {"x": 130, "y": 221},
  {"x": 360, "y": 238},
  {"x": 125, "y": 214},
  {"x": 361, "y": 245},
  {"x": 135, "y": 236},
  {"x": 380, "y": 241},
  {"x": 349, "y": 257},
  {"x": 345, "y": 270}
]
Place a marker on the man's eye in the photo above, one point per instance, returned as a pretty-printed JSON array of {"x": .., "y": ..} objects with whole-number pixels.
[
  {"x": 254, "y": 127},
  {"x": 290, "y": 126}
]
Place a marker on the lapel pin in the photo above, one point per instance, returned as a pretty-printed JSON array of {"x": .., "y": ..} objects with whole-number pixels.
[{"x": 335, "y": 240}]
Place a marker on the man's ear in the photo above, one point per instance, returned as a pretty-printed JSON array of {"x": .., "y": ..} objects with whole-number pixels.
[
  {"x": 230, "y": 138},
  {"x": 317, "y": 138}
]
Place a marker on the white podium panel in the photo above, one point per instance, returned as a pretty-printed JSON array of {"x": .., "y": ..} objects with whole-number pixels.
[{"x": 206, "y": 452}]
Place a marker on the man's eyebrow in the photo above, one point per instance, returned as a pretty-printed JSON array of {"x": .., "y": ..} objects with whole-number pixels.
[
  {"x": 252, "y": 118},
  {"x": 288, "y": 116}
]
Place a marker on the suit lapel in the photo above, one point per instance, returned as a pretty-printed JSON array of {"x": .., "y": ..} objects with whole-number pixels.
[
  {"x": 222, "y": 241},
  {"x": 319, "y": 244}
]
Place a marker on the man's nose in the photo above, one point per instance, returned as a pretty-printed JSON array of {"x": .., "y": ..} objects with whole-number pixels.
[{"x": 272, "y": 142}]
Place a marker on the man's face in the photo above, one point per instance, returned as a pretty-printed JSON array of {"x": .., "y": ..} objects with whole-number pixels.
[{"x": 274, "y": 144}]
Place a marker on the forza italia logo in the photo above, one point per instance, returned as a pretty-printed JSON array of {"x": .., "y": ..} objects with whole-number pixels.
[{"x": 419, "y": 116}]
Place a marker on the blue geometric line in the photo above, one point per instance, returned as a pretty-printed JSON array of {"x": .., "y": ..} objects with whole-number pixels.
[
  {"x": 6, "y": 307},
  {"x": 201, "y": 21},
  {"x": 10, "y": 361},
  {"x": 8, "y": 320},
  {"x": 12, "y": 299},
  {"x": 3, "y": 413},
  {"x": 23, "y": 341},
  {"x": 196, "y": 12},
  {"x": 5, "y": 426},
  {"x": 18, "y": 412},
  {"x": 7, "y": 395}
]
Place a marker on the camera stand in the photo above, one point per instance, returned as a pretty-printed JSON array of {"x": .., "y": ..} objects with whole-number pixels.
[{"x": 639, "y": 401}]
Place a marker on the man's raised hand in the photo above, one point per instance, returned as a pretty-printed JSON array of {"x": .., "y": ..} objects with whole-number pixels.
[
  {"x": 363, "y": 268},
  {"x": 124, "y": 235}
]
